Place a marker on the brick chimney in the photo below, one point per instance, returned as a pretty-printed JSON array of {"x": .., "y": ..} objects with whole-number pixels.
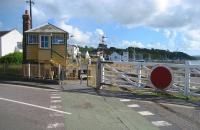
[
  {"x": 26, "y": 26},
  {"x": 26, "y": 21}
]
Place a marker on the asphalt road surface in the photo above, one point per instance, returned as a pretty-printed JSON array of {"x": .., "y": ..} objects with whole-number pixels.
[
  {"x": 80, "y": 108},
  {"x": 26, "y": 108}
]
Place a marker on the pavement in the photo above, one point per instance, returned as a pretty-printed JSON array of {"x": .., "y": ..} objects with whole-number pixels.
[
  {"x": 99, "y": 113},
  {"x": 164, "y": 113},
  {"x": 77, "y": 107},
  {"x": 36, "y": 83}
]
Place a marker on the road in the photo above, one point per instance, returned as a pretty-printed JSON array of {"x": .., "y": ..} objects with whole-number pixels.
[
  {"x": 82, "y": 108},
  {"x": 23, "y": 108}
]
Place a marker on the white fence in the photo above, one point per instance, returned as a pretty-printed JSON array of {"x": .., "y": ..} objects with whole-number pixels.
[{"x": 186, "y": 77}]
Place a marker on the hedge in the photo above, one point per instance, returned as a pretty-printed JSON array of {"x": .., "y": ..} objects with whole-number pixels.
[{"x": 12, "y": 58}]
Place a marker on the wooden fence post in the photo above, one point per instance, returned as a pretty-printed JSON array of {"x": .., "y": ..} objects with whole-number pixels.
[
  {"x": 4, "y": 67},
  {"x": 39, "y": 73},
  {"x": 29, "y": 70},
  {"x": 187, "y": 78}
]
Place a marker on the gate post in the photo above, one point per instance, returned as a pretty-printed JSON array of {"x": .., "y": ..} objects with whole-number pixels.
[
  {"x": 59, "y": 72},
  {"x": 98, "y": 74},
  {"x": 187, "y": 78},
  {"x": 139, "y": 71}
]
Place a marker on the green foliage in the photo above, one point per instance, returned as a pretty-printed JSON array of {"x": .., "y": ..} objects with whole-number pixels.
[
  {"x": 12, "y": 58},
  {"x": 84, "y": 49},
  {"x": 155, "y": 54}
]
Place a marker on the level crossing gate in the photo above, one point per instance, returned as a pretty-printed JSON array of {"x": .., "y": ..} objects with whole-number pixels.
[{"x": 182, "y": 78}]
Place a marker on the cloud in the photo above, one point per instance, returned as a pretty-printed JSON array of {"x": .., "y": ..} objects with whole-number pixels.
[
  {"x": 154, "y": 13},
  {"x": 39, "y": 16},
  {"x": 192, "y": 39},
  {"x": 167, "y": 33},
  {"x": 126, "y": 43},
  {"x": 171, "y": 36},
  {"x": 179, "y": 16},
  {"x": 99, "y": 32},
  {"x": 156, "y": 29},
  {"x": 79, "y": 37},
  {"x": 156, "y": 45}
]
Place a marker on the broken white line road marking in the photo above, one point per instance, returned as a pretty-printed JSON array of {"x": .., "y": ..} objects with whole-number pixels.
[
  {"x": 133, "y": 105},
  {"x": 55, "y": 97},
  {"x": 125, "y": 100},
  {"x": 55, "y": 107},
  {"x": 32, "y": 105},
  {"x": 161, "y": 123},
  {"x": 55, "y": 125},
  {"x": 56, "y": 115},
  {"x": 145, "y": 113},
  {"x": 55, "y": 101},
  {"x": 54, "y": 94}
]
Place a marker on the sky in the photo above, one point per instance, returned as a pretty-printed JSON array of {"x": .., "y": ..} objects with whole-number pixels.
[{"x": 161, "y": 24}]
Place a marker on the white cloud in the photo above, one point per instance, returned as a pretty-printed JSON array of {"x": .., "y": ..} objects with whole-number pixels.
[
  {"x": 79, "y": 37},
  {"x": 180, "y": 16},
  {"x": 156, "y": 45},
  {"x": 126, "y": 43},
  {"x": 171, "y": 36},
  {"x": 192, "y": 39},
  {"x": 39, "y": 15},
  {"x": 156, "y": 29},
  {"x": 167, "y": 33},
  {"x": 99, "y": 32},
  {"x": 153, "y": 13},
  {"x": 172, "y": 16},
  {"x": 162, "y": 5}
]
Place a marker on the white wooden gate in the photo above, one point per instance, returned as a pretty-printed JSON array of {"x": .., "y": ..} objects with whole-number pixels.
[{"x": 186, "y": 77}]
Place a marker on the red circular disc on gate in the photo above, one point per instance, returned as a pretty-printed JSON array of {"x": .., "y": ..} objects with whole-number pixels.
[{"x": 161, "y": 77}]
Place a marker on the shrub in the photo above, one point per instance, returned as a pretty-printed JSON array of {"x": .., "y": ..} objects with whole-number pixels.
[{"x": 12, "y": 58}]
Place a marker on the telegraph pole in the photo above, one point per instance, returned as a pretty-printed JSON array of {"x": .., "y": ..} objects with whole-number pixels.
[{"x": 31, "y": 2}]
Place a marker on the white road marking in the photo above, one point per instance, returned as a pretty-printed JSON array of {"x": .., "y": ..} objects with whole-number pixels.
[
  {"x": 161, "y": 123},
  {"x": 55, "y": 97},
  {"x": 32, "y": 105},
  {"x": 125, "y": 100},
  {"x": 56, "y": 115},
  {"x": 145, "y": 113},
  {"x": 55, "y": 125},
  {"x": 169, "y": 104},
  {"x": 55, "y": 94},
  {"x": 55, "y": 107},
  {"x": 55, "y": 101},
  {"x": 133, "y": 105}
]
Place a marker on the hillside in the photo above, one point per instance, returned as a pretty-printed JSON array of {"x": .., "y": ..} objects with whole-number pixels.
[{"x": 155, "y": 54}]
